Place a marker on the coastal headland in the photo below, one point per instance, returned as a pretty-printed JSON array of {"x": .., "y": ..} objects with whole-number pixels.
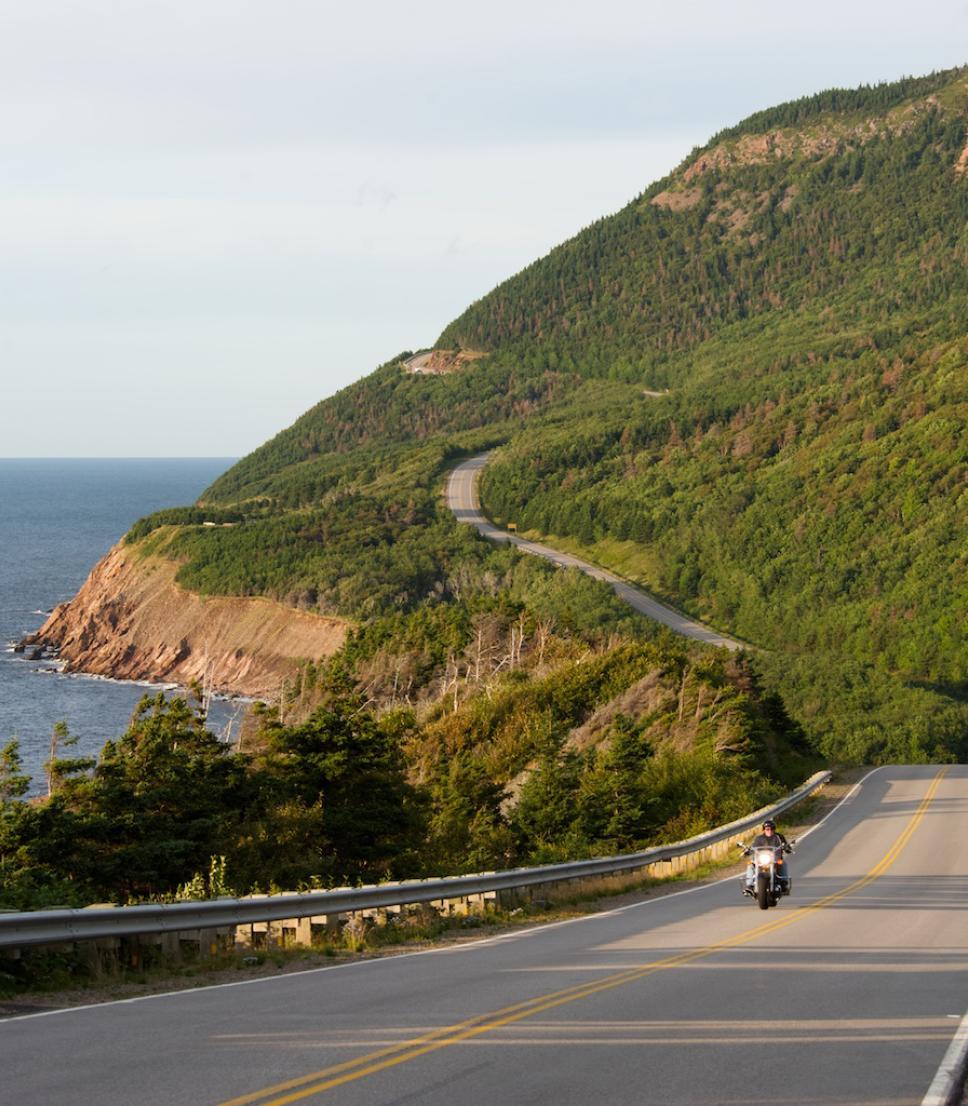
[{"x": 131, "y": 620}]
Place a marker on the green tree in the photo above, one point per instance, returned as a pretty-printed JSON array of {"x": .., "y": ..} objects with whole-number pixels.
[
  {"x": 335, "y": 803},
  {"x": 158, "y": 804},
  {"x": 58, "y": 768}
]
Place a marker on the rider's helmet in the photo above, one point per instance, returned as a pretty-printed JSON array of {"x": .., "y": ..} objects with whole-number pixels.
[{"x": 769, "y": 824}]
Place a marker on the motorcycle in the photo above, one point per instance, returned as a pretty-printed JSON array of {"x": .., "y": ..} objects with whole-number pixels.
[{"x": 766, "y": 879}]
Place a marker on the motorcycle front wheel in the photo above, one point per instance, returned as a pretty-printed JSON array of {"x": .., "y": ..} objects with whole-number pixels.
[{"x": 763, "y": 892}]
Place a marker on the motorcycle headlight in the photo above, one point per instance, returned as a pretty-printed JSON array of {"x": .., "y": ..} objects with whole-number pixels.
[{"x": 764, "y": 857}]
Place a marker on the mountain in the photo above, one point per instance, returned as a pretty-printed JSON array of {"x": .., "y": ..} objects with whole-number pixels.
[{"x": 745, "y": 390}]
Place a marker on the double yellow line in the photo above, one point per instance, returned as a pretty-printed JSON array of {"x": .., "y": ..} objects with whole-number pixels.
[{"x": 326, "y": 1079}]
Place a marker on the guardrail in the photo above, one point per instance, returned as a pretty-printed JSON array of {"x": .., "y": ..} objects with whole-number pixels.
[{"x": 94, "y": 923}]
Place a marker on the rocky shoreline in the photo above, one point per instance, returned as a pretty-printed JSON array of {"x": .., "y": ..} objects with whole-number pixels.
[{"x": 131, "y": 621}]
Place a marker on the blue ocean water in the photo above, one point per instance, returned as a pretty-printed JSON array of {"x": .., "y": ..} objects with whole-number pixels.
[{"x": 57, "y": 518}]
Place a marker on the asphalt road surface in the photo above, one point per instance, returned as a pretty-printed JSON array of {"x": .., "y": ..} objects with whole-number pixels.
[
  {"x": 848, "y": 992},
  {"x": 462, "y": 499}
]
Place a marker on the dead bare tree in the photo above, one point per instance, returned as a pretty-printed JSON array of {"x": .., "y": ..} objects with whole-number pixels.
[
  {"x": 477, "y": 655},
  {"x": 682, "y": 690},
  {"x": 282, "y": 702},
  {"x": 516, "y": 642},
  {"x": 542, "y": 633}
]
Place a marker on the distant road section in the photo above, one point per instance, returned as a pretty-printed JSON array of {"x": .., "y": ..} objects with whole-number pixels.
[{"x": 463, "y": 500}]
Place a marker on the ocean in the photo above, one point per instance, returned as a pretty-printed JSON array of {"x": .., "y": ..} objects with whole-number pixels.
[{"x": 57, "y": 518}]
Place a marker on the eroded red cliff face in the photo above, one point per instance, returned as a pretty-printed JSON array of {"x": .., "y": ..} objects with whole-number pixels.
[{"x": 131, "y": 621}]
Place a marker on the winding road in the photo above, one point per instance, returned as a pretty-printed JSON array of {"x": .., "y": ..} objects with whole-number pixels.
[
  {"x": 463, "y": 499},
  {"x": 849, "y": 992}
]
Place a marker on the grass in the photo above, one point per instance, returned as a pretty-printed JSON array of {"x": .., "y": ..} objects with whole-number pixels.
[{"x": 637, "y": 564}]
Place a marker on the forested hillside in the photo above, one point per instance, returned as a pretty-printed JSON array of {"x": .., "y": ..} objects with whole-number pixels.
[
  {"x": 840, "y": 211},
  {"x": 798, "y": 287},
  {"x": 747, "y": 390},
  {"x": 574, "y": 749}
]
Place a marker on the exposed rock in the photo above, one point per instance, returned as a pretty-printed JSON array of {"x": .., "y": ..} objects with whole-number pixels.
[
  {"x": 131, "y": 621},
  {"x": 438, "y": 362},
  {"x": 791, "y": 193},
  {"x": 678, "y": 199},
  {"x": 814, "y": 142}
]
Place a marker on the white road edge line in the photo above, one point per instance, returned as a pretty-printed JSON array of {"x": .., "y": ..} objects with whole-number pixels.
[
  {"x": 846, "y": 798},
  {"x": 470, "y": 946},
  {"x": 946, "y": 1087}
]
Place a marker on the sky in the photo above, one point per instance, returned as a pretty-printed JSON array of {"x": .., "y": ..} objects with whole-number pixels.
[{"x": 214, "y": 214}]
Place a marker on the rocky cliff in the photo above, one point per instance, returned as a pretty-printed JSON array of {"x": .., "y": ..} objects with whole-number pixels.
[{"x": 131, "y": 621}]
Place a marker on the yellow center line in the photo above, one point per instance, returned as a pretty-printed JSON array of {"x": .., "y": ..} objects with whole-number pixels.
[{"x": 373, "y": 1062}]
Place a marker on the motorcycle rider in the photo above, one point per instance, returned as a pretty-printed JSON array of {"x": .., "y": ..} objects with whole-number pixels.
[{"x": 769, "y": 838}]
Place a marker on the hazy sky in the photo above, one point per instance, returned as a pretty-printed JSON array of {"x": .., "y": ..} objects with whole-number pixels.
[{"x": 214, "y": 214}]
